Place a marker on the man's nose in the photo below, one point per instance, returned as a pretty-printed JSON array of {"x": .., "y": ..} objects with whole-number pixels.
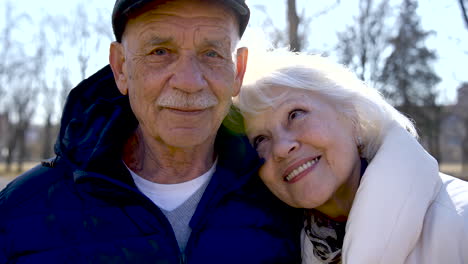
[
  {"x": 283, "y": 146},
  {"x": 188, "y": 75}
]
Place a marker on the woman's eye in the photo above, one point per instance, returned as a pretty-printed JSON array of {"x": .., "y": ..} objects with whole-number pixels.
[
  {"x": 257, "y": 141},
  {"x": 295, "y": 114}
]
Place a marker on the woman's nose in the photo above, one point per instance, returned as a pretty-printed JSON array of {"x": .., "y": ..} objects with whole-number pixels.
[{"x": 284, "y": 146}]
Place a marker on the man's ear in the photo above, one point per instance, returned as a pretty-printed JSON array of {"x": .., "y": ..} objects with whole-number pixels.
[
  {"x": 117, "y": 63},
  {"x": 241, "y": 66}
]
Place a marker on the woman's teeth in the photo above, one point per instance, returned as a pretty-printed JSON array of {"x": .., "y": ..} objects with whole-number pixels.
[{"x": 300, "y": 169}]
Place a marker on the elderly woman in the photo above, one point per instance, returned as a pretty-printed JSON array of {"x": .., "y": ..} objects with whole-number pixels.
[{"x": 333, "y": 146}]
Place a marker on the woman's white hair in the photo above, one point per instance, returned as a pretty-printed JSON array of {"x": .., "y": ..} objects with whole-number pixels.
[{"x": 364, "y": 106}]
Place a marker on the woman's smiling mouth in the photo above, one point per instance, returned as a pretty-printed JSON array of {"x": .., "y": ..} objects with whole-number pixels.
[{"x": 293, "y": 174}]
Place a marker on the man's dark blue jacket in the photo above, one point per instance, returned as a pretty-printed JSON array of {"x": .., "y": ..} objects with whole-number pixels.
[{"x": 83, "y": 207}]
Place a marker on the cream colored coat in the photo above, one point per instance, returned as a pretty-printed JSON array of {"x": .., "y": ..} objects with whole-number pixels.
[{"x": 404, "y": 211}]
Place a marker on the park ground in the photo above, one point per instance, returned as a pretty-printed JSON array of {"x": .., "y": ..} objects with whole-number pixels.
[{"x": 5, "y": 178}]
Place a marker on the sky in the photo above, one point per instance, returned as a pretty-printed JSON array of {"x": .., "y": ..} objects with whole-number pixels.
[{"x": 442, "y": 16}]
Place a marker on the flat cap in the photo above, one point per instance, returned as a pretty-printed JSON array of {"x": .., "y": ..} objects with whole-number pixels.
[{"x": 124, "y": 8}]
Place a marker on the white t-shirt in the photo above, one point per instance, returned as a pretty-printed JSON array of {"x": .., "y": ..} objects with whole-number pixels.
[{"x": 171, "y": 196}]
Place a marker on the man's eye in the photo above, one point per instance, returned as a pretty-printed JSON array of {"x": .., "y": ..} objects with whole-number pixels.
[
  {"x": 212, "y": 54},
  {"x": 160, "y": 52},
  {"x": 257, "y": 141},
  {"x": 295, "y": 114}
]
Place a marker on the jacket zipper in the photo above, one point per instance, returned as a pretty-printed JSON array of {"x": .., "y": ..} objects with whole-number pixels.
[{"x": 182, "y": 258}]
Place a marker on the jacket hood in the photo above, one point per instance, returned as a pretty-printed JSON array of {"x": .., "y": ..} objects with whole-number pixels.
[{"x": 95, "y": 122}]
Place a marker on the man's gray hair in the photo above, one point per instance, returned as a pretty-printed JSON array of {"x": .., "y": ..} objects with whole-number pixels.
[{"x": 364, "y": 106}]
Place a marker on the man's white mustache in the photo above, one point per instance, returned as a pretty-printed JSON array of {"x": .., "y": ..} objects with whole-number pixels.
[{"x": 181, "y": 100}]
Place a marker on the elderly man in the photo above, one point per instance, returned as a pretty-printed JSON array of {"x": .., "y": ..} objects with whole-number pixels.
[{"x": 145, "y": 172}]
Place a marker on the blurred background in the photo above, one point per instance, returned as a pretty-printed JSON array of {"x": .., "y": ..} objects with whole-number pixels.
[{"x": 414, "y": 52}]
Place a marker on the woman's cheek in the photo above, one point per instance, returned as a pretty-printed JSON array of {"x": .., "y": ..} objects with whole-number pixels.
[{"x": 265, "y": 173}]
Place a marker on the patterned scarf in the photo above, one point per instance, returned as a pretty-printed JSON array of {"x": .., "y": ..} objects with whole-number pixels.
[{"x": 326, "y": 236}]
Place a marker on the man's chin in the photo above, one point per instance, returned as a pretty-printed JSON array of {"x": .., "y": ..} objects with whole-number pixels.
[{"x": 187, "y": 138}]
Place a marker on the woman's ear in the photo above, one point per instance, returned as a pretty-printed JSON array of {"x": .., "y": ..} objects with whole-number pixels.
[{"x": 117, "y": 63}]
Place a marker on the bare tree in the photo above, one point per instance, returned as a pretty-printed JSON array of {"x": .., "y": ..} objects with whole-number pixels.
[
  {"x": 13, "y": 62},
  {"x": 361, "y": 45},
  {"x": 11, "y": 59},
  {"x": 48, "y": 133},
  {"x": 31, "y": 82},
  {"x": 22, "y": 110},
  {"x": 61, "y": 83},
  {"x": 27, "y": 79},
  {"x": 53, "y": 46},
  {"x": 297, "y": 31},
  {"x": 49, "y": 94},
  {"x": 87, "y": 35},
  {"x": 80, "y": 38},
  {"x": 298, "y": 37}
]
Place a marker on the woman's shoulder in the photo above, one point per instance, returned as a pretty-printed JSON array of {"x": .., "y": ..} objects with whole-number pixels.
[
  {"x": 447, "y": 216},
  {"x": 445, "y": 233},
  {"x": 452, "y": 198}
]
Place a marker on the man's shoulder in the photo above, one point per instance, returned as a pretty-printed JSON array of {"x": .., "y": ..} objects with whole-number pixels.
[{"x": 32, "y": 185}]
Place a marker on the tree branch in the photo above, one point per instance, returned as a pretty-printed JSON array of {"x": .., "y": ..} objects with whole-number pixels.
[
  {"x": 327, "y": 9},
  {"x": 464, "y": 14}
]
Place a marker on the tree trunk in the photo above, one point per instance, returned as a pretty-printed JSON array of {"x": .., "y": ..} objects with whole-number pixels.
[
  {"x": 293, "y": 22},
  {"x": 21, "y": 147},
  {"x": 47, "y": 144},
  {"x": 11, "y": 146}
]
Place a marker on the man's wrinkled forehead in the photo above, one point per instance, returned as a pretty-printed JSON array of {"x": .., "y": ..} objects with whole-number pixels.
[
  {"x": 201, "y": 36},
  {"x": 218, "y": 27}
]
